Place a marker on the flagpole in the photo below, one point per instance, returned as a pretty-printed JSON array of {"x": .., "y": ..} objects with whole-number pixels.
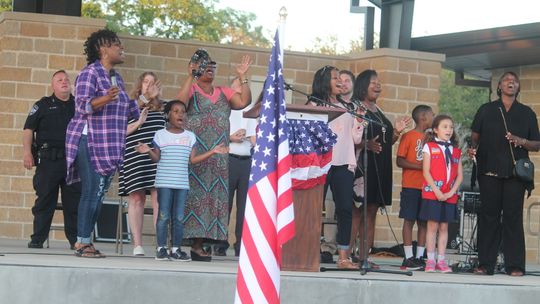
[{"x": 282, "y": 22}]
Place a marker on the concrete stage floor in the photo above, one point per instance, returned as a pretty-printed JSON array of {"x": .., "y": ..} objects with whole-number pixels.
[{"x": 55, "y": 275}]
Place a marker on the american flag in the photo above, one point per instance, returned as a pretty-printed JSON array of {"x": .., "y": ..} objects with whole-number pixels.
[
  {"x": 311, "y": 144},
  {"x": 269, "y": 214}
]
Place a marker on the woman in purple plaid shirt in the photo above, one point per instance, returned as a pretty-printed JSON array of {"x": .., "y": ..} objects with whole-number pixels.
[{"x": 95, "y": 138}]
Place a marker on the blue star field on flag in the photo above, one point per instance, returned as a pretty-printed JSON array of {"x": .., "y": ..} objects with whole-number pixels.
[{"x": 273, "y": 127}]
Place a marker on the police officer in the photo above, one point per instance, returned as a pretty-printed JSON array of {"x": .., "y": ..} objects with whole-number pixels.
[{"x": 48, "y": 120}]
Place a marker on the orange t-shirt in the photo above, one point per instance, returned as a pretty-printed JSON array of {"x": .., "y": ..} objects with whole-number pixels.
[{"x": 410, "y": 148}]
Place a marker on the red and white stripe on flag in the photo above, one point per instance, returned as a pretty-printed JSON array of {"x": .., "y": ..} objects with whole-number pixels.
[{"x": 269, "y": 214}]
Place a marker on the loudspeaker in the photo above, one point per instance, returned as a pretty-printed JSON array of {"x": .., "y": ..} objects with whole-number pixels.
[
  {"x": 56, "y": 7},
  {"x": 453, "y": 233},
  {"x": 105, "y": 229}
]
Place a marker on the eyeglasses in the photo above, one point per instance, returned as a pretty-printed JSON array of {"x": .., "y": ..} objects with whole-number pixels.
[{"x": 328, "y": 67}]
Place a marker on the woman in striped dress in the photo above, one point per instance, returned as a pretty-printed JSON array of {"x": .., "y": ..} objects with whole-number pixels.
[{"x": 138, "y": 172}]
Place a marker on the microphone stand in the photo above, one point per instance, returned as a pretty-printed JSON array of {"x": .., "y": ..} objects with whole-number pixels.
[
  {"x": 326, "y": 103},
  {"x": 364, "y": 268}
]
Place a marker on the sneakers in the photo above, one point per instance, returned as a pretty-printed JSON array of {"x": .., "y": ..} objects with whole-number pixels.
[
  {"x": 138, "y": 251},
  {"x": 411, "y": 264},
  {"x": 162, "y": 254},
  {"x": 440, "y": 266},
  {"x": 220, "y": 251},
  {"x": 34, "y": 245},
  {"x": 443, "y": 267},
  {"x": 180, "y": 256},
  {"x": 430, "y": 266}
]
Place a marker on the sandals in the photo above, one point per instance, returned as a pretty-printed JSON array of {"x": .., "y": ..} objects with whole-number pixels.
[
  {"x": 87, "y": 251},
  {"x": 516, "y": 273},
  {"x": 346, "y": 264},
  {"x": 482, "y": 270},
  {"x": 200, "y": 256}
]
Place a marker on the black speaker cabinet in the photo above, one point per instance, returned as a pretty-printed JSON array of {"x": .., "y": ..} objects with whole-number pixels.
[
  {"x": 453, "y": 233},
  {"x": 55, "y": 7},
  {"x": 105, "y": 229}
]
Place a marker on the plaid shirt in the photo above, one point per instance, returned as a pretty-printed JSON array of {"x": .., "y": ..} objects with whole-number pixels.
[{"x": 106, "y": 126}]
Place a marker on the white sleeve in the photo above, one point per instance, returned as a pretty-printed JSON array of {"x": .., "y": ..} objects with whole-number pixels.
[
  {"x": 251, "y": 125},
  {"x": 425, "y": 149}
]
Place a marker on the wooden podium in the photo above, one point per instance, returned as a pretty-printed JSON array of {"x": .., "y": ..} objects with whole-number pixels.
[{"x": 302, "y": 253}]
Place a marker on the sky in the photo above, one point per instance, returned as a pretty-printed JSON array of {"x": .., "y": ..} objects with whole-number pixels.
[{"x": 309, "y": 19}]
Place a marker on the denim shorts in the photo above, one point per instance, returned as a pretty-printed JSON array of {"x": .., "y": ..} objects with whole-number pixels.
[{"x": 409, "y": 204}]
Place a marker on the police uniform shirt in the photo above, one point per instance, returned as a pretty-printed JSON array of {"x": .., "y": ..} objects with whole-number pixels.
[{"x": 49, "y": 118}]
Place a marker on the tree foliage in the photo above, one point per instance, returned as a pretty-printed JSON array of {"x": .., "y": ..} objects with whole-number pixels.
[
  {"x": 6, "y": 5},
  {"x": 460, "y": 102},
  {"x": 327, "y": 46},
  {"x": 181, "y": 19}
]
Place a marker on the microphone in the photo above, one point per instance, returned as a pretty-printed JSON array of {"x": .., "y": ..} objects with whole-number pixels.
[
  {"x": 288, "y": 87},
  {"x": 112, "y": 74}
]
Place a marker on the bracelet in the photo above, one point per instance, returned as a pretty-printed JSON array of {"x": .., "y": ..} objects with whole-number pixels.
[
  {"x": 143, "y": 99},
  {"x": 245, "y": 81}
]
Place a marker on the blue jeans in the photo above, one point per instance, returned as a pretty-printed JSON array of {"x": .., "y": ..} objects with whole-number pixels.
[
  {"x": 171, "y": 201},
  {"x": 93, "y": 189}
]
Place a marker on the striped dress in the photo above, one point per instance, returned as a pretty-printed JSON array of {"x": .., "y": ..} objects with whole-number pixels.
[{"x": 138, "y": 171}]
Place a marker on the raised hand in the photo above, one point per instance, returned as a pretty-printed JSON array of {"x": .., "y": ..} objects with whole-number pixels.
[
  {"x": 192, "y": 66},
  {"x": 154, "y": 89},
  {"x": 402, "y": 123},
  {"x": 243, "y": 66},
  {"x": 143, "y": 116}
]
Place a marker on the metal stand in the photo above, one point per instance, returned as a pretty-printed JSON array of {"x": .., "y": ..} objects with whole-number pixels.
[
  {"x": 364, "y": 268},
  {"x": 365, "y": 265}
]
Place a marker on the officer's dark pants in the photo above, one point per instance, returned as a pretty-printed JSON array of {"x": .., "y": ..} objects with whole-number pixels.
[
  {"x": 50, "y": 176},
  {"x": 239, "y": 168}
]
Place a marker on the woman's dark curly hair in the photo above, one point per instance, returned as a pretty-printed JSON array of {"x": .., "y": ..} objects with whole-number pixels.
[{"x": 95, "y": 41}]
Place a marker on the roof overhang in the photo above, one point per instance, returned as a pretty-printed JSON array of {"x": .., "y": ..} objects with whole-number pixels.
[{"x": 477, "y": 52}]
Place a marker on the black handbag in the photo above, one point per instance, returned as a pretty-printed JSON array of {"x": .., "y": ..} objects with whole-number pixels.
[
  {"x": 524, "y": 170},
  {"x": 524, "y": 167}
]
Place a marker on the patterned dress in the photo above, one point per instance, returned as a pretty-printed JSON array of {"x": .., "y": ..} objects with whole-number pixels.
[
  {"x": 207, "y": 208},
  {"x": 138, "y": 171}
]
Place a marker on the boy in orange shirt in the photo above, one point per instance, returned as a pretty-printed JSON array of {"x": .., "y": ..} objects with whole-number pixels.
[{"x": 409, "y": 158}]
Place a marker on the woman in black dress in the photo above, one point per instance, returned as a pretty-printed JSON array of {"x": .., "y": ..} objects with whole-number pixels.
[{"x": 367, "y": 89}]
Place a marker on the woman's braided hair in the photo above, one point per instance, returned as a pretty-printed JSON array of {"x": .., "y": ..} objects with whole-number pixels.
[{"x": 95, "y": 41}]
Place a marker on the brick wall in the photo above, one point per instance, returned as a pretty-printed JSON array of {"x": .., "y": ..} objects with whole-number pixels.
[
  {"x": 33, "y": 46},
  {"x": 529, "y": 77}
]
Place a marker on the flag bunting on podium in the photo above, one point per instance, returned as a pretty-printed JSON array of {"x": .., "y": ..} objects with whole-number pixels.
[{"x": 269, "y": 214}]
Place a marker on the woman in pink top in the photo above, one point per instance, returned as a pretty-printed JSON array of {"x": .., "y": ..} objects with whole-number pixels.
[
  {"x": 340, "y": 177},
  {"x": 208, "y": 113}
]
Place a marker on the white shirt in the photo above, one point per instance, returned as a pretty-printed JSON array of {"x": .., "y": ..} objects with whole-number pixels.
[
  {"x": 425, "y": 149},
  {"x": 237, "y": 121}
]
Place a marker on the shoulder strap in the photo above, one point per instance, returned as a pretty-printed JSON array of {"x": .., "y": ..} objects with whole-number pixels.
[{"x": 506, "y": 128}]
